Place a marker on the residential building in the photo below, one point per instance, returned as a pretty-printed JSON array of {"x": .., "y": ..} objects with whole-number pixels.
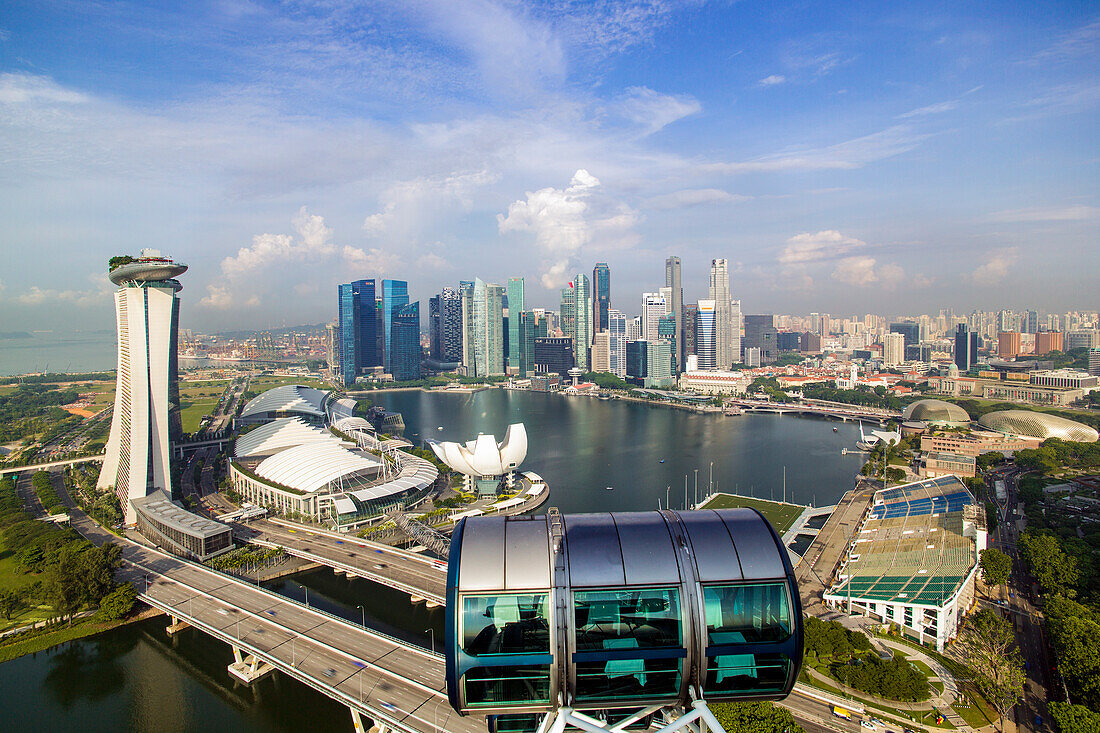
[
  {"x": 1008, "y": 344},
  {"x": 601, "y": 296},
  {"x": 908, "y": 329},
  {"x": 893, "y": 348},
  {"x": 1048, "y": 341},
  {"x": 146, "y": 420},
  {"x": 1030, "y": 322},
  {"x": 676, "y": 305}
]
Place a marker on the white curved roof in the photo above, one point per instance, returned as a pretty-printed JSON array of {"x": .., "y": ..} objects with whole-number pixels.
[
  {"x": 313, "y": 466},
  {"x": 288, "y": 398},
  {"x": 1038, "y": 425},
  {"x": 484, "y": 456},
  {"x": 277, "y": 435},
  {"x": 349, "y": 424}
]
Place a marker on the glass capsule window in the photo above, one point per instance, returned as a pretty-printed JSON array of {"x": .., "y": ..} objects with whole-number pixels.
[
  {"x": 753, "y": 613},
  {"x": 505, "y": 624},
  {"x": 741, "y": 618},
  {"x": 509, "y": 634},
  {"x": 629, "y": 643}
]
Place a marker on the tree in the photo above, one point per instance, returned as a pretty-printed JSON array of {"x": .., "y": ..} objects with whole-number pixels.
[
  {"x": 996, "y": 567},
  {"x": 10, "y": 602},
  {"x": 755, "y": 717},
  {"x": 1056, "y": 571},
  {"x": 1073, "y": 718},
  {"x": 1075, "y": 637},
  {"x": 118, "y": 603},
  {"x": 989, "y": 646},
  {"x": 988, "y": 460}
]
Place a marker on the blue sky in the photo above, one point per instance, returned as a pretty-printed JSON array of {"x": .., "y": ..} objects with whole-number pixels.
[{"x": 846, "y": 157}]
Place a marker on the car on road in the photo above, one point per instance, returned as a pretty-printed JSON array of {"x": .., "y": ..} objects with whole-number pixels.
[
  {"x": 867, "y": 724},
  {"x": 389, "y": 706},
  {"x": 330, "y": 672},
  {"x": 379, "y": 565}
]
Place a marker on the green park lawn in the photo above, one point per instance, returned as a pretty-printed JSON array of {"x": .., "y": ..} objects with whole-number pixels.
[
  {"x": 12, "y": 577},
  {"x": 781, "y": 515},
  {"x": 192, "y": 412},
  {"x": 261, "y": 384}
]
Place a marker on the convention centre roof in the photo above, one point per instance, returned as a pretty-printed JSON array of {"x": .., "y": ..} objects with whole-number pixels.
[
  {"x": 313, "y": 466},
  {"x": 159, "y": 507},
  {"x": 1038, "y": 425},
  {"x": 280, "y": 434},
  {"x": 295, "y": 398},
  {"x": 912, "y": 548},
  {"x": 937, "y": 412},
  {"x": 484, "y": 456}
]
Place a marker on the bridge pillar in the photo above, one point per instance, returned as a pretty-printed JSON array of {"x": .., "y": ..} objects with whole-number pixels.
[
  {"x": 177, "y": 626},
  {"x": 248, "y": 668},
  {"x": 431, "y": 604},
  {"x": 416, "y": 599}
]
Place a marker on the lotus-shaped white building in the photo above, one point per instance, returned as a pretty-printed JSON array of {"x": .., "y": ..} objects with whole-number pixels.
[{"x": 484, "y": 461}]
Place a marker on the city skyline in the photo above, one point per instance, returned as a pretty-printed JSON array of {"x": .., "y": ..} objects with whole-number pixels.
[{"x": 891, "y": 160}]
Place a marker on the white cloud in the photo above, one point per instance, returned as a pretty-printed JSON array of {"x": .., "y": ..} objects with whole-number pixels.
[
  {"x": 407, "y": 205},
  {"x": 824, "y": 245},
  {"x": 18, "y": 88},
  {"x": 1049, "y": 213},
  {"x": 653, "y": 111},
  {"x": 996, "y": 266},
  {"x": 432, "y": 261},
  {"x": 565, "y": 220},
  {"x": 862, "y": 271},
  {"x": 931, "y": 109},
  {"x": 850, "y": 154},
  {"x": 773, "y": 80},
  {"x": 98, "y": 294},
  {"x": 374, "y": 260},
  {"x": 694, "y": 197}
]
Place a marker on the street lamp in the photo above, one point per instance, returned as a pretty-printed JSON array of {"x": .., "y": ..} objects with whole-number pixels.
[
  {"x": 712, "y": 477},
  {"x": 364, "y": 612},
  {"x": 432, "y": 632},
  {"x": 304, "y": 590}
]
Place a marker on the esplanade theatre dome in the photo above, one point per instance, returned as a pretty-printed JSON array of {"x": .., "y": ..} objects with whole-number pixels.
[
  {"x": 1038, "y": 425},
  {"x": 937, "y": 412}
]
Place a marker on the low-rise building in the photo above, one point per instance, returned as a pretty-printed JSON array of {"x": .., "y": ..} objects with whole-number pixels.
[
  {"x": 975, "y": 443},
  {"x": 715, "y": 382},
  {"x": 938, "y": 463}
]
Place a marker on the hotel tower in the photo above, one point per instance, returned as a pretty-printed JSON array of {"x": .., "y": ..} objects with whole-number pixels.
[{"x": 146, "y": 416}]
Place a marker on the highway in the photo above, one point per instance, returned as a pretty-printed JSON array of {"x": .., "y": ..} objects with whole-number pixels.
[
  {"x": 51, "y": 464},
  {"x": 387, "y": 680},
  {"x": 406, "y": 571}
]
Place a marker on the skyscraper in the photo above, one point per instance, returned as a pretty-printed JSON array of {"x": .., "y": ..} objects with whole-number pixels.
[
  {"x": 893, "y": 348},
  {"x": 705, "y": 346},
  {"x": 601, "y": 296},
  {"x": 532, "y": 326},
  {"x": 616, "y": 326},
  {"x": 395, "y": 295},
  {"x": 146, "y": 415},
  {"x": 720, "y": 294},
  {"x": 358, "y": 323},
  {"x": 654, "y": 306},
  {"x": 568, "y": 318},
  {"x": 966, "y": 348},
  {"x": 676, "y": 306},
  {"x": 1031, "y": 322},
  {"x": 909, "y": 330},
  {"x": 405, "y": 342},
  {"x": 517, "y": 351},
  {"x": 688, "y": 325},
  {"x": 450, "y": 326},
  {"x": 483, "y": 335},
  {"x": 582, "y": 334},
  {"x": 760, "y": 333}
]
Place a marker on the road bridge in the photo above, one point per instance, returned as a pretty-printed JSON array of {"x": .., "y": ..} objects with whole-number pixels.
[
  {"x": 845, "y": 414},
  {"x": 423, "y": 578},
  {"x": 398, "y": 686}
]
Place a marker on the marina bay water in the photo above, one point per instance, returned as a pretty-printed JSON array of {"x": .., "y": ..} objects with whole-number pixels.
[
  {"x": 137, "y": 679},
  {"x": 582, "y": 445}
]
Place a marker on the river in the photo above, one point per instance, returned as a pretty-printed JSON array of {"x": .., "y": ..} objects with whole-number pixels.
[{"x": 135, "y": 678}]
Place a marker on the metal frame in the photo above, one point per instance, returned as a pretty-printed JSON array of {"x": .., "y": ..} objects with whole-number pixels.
[{"x": 699, "y": 719}]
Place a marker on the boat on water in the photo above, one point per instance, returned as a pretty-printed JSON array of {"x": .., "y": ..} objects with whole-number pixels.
[
  {"x": 834, "y": 429},
  {"x": 661, "y": 461},
  {"x": 609, "y": 488}
]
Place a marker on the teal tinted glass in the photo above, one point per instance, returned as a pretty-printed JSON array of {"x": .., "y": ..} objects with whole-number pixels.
[
  {"x": 642, "y": 618},
  {"x": 736, "y": 614},
  {"x": 520, "y": 685},
  {"x": 515, "y": 623},
  {"x": 747, "y": 673}
]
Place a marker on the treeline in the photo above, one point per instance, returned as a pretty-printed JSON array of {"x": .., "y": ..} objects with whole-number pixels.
[
  {"x": 1075, "y": 636},
  {"x": 862, "y": 396},
  {"x": 605, "y": 380},
  {"x": 893, "y": 678},
  {"x": 58, "y": 377},
  {"x": 70, "y": 573},
  {"x": 1055, "y": 454},
  {"x": 830, "y": 639},
  {"x": 47, "y": 494},
  {"x": 34, "y": 408}
]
